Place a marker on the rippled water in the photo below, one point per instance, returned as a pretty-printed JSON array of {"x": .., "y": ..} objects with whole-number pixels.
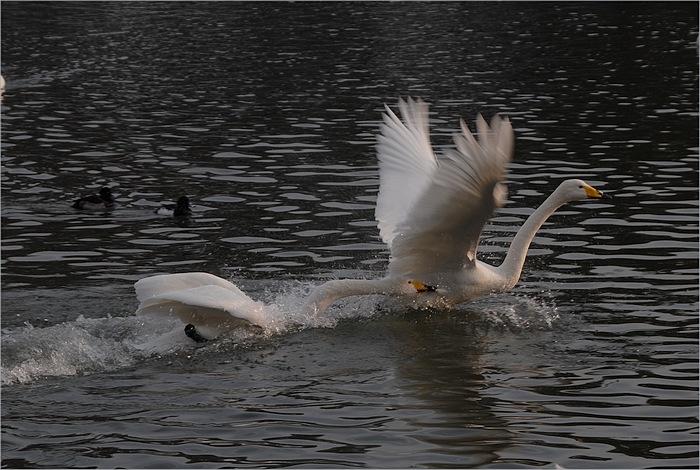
[{"x": 265, "y": 115}]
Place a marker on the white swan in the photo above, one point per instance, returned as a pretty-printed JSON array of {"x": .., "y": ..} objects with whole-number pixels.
[
  {"x": 430, "y": 210},
  {"x": 210, "y": 303}
]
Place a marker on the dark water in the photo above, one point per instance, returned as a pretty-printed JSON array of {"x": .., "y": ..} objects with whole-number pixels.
[{"x": 265, "y": 115}]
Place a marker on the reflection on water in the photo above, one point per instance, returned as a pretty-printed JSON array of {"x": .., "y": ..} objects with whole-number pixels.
[{"x": 265, "y": 116}]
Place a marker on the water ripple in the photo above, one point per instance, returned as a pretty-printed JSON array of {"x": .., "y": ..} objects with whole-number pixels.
[{"x": 265, "y": 117}]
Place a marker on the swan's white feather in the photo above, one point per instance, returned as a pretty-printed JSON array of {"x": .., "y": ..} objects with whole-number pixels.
[
  {"x": 406, "y": 165},
  {"x": 198, "y": 298},
  {"x": 431, "y": 211},
  {"x": 149, "y": 287}
]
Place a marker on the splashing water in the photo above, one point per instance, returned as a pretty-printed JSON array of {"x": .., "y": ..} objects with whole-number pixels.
[
  {"x": 518, "y": 312},
  {"x": 78, "y": 347},
  {"x": 90, "y": 345}
]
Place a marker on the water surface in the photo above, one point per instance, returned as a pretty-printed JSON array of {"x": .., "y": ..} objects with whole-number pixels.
[{"x": 265, "y": 115}]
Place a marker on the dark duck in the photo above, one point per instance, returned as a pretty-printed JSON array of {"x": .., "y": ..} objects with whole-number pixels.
[
  {"x": 102, "y": 200},
  {"x": 180, "y": 209}
]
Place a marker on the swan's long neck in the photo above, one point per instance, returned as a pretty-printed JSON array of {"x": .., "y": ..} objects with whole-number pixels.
[
  {"x": 327, "y": 293},
  {"x": 512, "y": 266}
]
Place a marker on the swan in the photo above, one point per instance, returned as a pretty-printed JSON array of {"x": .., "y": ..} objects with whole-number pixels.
[
  {"x": 208, "y": 304},
  {"x": 431, "y": 210}
]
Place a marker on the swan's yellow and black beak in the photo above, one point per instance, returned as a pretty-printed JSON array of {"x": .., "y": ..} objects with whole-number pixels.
[
  {"x": 420, "y": 287},
  {"x": 593, "y": 193}
]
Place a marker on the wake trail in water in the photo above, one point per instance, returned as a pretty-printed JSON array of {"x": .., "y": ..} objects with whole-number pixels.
[{"x": 92, "y": 345}]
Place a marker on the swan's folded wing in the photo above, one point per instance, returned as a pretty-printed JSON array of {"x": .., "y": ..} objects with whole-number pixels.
[
  {"x": 406, "y": 164},
  {"x": 207, "y": 305},
  {"x": 149, "y": 287},
  {"x": 441, "y": 230}
]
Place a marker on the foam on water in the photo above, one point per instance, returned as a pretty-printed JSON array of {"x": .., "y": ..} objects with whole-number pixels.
[
  {"x": 91, "y": 345},
  {"x": 83, "y": 346}
]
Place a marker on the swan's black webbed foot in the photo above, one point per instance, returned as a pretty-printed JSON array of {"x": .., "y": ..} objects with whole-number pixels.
[{"x": 192, "y": 333}]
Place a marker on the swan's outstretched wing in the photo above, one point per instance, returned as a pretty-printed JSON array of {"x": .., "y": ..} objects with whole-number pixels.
[
  {"x": 431, "y": 210},
  {"x": 406, "y": 165},
  {"x": 198, "y": 298}
]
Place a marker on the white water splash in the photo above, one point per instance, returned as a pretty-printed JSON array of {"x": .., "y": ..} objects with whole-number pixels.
[
  {"x": 78, "y": 347},
  {"x": 518, "y": 312},
  {"x": 91, "y": 345}
]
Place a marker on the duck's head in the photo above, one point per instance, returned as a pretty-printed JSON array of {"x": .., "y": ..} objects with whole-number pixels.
[{"x": 106, "y": 194}]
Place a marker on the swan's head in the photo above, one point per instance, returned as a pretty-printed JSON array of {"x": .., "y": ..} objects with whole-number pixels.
[{"x": 574, "y": 190}]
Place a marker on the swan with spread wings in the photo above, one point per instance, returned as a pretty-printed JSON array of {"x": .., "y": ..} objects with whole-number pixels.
[{"x": 431, "y": 210}]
